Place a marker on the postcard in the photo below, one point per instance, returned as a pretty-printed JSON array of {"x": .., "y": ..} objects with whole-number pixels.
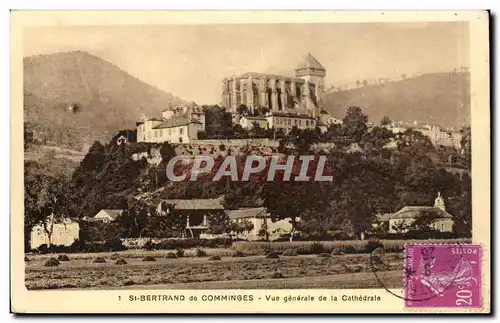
[{"x": 250, "y": 162}]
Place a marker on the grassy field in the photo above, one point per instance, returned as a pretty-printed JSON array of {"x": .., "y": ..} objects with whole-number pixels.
[{"x": 345, "y": 271}]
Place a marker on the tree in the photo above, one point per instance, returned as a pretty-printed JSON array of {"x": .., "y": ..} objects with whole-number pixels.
[
  {"x": 424, "y": 222},
  {"x": 133, "y": 221},
  {"x": 45, "y": 203},
  {"x": 378, "y": 137},
  {"x": 242, "y": 109},
  {"x": 400, "y": 227},
  {"x": 414, "y": 143},
  {"x": 302, "y": 139},
  {"x": 261, "y": 111},
  {"x": 175, "y": 219},
  {"x": 263, "y": 232},
  {"x": 466, "y": 144},
  {"x": 358, "y": 83},
  {"x": 239, "y": 132},
  {"x": 365, "y": 83},
  {"x": 403, "y": 76},
  {"x": 290, "y": 200},
  {"x": 354, "y": 123},
  {"x": 28, "y": 136},
  {"x": 219, "y": 223},
  {"x": 385, "y": 121}
]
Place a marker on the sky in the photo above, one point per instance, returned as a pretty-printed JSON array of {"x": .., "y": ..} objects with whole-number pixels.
[{"x": 190, "y": 61}]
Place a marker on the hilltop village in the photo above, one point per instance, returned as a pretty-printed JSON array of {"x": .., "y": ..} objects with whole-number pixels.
[{"x": 391, "y": 179}]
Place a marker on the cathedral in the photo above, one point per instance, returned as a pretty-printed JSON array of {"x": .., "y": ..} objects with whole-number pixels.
[{"x": 301, "y": 94}]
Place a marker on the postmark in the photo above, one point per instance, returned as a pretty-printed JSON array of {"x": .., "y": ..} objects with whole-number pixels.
[{"x": 442, "y": 276}]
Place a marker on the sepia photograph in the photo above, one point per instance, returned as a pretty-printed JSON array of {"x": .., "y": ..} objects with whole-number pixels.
[{"x": 245, "y": 156}]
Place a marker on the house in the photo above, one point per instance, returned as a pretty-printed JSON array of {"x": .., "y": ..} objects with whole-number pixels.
[
  {"x": 196, "y": 212},
  {"x": 261, "y": 222},
  {"x": 63, "y": 232},
  {"x": 286, "y": 121},
  {"x": 177, "y": 125},
  {"x": 399, "y": 221},
  {"x": 107, "y": 215}
]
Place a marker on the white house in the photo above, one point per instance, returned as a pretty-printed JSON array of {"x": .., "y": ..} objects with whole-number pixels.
[
  {"x": 62, "y": 232},
  {"x": 399, "y": 221},
  {"x": 261, "y": 221},
  {"x": 107, "y": 215},
  {"x": 177, "y": 125}
]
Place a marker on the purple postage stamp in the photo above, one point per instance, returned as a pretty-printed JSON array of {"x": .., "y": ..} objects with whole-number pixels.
[{"x": 442, "y": 275}]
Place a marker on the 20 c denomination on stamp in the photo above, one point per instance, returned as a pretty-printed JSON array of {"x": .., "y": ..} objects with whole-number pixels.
[{"x": 442, "y": 276}]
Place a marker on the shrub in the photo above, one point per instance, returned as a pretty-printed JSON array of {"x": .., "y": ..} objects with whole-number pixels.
[
  {"x": 179, "y": 252},
  {"x": 222, "y": 147},
  {"x": 99, "y": 260},
  {"x": 43, "y": 249},
  {"x": 272, "y": 255},
  {"x": 114, "y": 256},
  {"x": 201, "y": 253},
  {"x": 277, "y": 274},
  {"x": 114, "y": 245},
  {"x": 121, "y": 261},
  {"x": 128, "y": 283},
  {"x": 171, "y": 255},
  {"x": 289, "y": 252},
  {"x": 212, "y": 258},
  {"x": 346, "y": 247},
  {"x": 350, "y": 250},
  {"x": 148, "y": 245},
  {"x": 238, "y": 254},
  {"x": 52, "y": 262},
  {"x": 192, "y": 243},
  {"x": 317, "y": 248},
  {"x": 63, "y": 258},
  {"x": 372, "y": 245},
  {"x": 324, "y": 255},
  {"x": 149, "y": 258}
]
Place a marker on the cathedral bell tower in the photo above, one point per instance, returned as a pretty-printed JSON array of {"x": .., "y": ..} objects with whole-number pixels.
[
  {"x": 312, "y": 71},
  {"x": 439, "y": 202}
]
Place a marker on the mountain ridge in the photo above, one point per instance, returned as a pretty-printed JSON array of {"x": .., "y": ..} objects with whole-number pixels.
[
  {"x": 438, "y": 98},
  {"x": 87, "y": 93}
]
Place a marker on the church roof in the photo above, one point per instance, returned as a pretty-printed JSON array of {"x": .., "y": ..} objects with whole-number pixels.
[{"x": 310, "y": 62}]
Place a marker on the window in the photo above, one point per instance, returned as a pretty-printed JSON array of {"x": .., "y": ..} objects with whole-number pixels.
[
  {"x": 289, "y": 122},
  {"x": 295, "y": 122},
  {"x": 307, "y": 123},
  {"x": 442, "y": 226},
  {"x": 181, "y": 131}
]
